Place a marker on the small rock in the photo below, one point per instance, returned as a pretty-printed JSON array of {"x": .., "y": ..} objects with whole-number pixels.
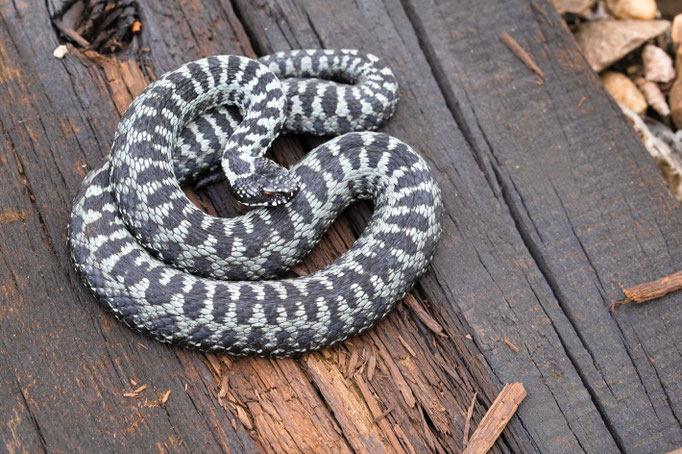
[
  {"x": 675, "y": 95},
  {"x": 632, "y": 9},
  {"x": 658, "y": 66},
  {"x": 624, "y": 91},
  {"x": 654, "y": 96},
  {"x": 675, "y": 102},
  {"x": 580, "y": 7},
  {"x": 676, "y": 32},
  {"x": 60, "y": 51},
  {"x": 605, "y": 42},
  {"x": 663, "y": 146}
]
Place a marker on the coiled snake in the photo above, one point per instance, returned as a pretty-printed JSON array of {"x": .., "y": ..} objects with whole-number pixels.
[{"x": 160, "y": 264}]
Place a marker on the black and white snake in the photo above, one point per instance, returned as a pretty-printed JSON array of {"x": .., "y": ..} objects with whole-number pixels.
[{"x": 167, "y": 269}]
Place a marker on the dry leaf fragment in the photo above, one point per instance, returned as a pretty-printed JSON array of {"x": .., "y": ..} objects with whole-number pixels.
[{"x": 136, "y": 27}]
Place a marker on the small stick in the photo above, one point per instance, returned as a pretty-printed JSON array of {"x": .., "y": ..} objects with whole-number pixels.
[
  {"x": 652, "y": 290},
  {"x": 71, "y": 33},
  {"x": 522, "y": 54},
  {"x": 496, "y": 418},
  {"x": 467, "y": 424}
]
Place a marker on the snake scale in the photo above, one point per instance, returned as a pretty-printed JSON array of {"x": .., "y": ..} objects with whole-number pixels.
[{"x": 169, "y": 270}]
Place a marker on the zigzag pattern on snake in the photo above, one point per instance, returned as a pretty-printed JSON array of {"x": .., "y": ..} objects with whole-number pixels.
[{"x": 277, "y": 318}]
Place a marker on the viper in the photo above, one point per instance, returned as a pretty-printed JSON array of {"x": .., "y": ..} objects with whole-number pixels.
[{"x": 167, "y": 269}]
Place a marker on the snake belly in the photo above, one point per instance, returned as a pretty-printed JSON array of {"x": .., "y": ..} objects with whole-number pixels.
[
  {"x": 146, "y": 180},
  {"x": 277, "y": 317}
]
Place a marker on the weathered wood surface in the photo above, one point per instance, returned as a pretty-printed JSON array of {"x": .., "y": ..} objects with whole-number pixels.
[{"x": 551, "y": 209}]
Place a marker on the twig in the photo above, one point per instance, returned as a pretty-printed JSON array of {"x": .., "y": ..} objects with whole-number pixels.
[
  {"x": 522, "y": 54},
  {"x": 425, "y": 318},
  {"x": 496, "y": 418},
  {"x": 510, "y": 345},
  {"x": 71, "y": 33},
  {"x": 467, "y": 424},
  {"x": 652, "y": 290}
]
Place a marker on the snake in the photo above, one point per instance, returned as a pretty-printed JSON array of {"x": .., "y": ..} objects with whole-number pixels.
[{"x": 168, "y": 270}]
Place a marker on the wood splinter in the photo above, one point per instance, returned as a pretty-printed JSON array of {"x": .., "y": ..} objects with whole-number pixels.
[
  {"x": 496, "y": 418},
  {"x": 651, "y": 290}
]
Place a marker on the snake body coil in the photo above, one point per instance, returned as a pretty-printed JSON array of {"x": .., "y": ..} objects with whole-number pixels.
[{"x": 133, "y": 205}]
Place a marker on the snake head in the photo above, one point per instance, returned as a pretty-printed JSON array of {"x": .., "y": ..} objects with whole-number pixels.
[{"x": 269, "y": 185}]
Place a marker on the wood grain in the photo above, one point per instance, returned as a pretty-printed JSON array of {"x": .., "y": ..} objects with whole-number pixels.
[{"x": 538, "y": 217}]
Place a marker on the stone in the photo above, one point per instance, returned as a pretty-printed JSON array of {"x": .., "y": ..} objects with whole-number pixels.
[
  {"x": 653, "y": 95},
  {"x": 605, "y": 42},
  {"x": 676, "y": 31},
  {"x": 579, "y": 7},
  {"x": 624, "y": 91},
  {"x": 675, "y": 102},
  {"x": 658, "y": 66},
  {"x": 633, "y": 9},
  {"x": 60, "y": 51}
]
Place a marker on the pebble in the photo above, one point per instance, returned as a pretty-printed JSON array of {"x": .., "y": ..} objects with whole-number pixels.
[
  {"x": 624, "y": 91},
  {"x": 676, "y": 31},
  {"x": 633, "y": 9},
  {"x": 675, "y": 98},
  {"x": 658, "y": 66},
  {"x": 579, "y": 7},
  {"x": 654, "y": 97},
  {"x": 605, "y": 42},
  {"x": 60, "y": 51}
]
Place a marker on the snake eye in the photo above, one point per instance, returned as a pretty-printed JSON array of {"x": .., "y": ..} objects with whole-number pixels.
[{"x": 268, "y": 193}]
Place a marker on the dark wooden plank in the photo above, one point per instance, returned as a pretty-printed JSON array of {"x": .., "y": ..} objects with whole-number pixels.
[
  {"x": 589, "y": 202},
  {"x": 70, "y": 362},
  {"x": 483, "y": 273},
  {"x": 67, "y": 357},
  {"x": 601, "y": 387}
]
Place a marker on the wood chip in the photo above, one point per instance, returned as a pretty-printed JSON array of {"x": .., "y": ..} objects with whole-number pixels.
[
  {"x": 133, "y": 382},
  {"x": 384, "y": 414},
  {"x": 423, "y": 316},
  {"x": 371, "y": 367},
  {"x": 223, "y": 387},
  {"x": 582, "y": 101},
  {"x": 512, "y": 346},
  {"x": 467, "y": 423},
  {"x": 427, "y": 432},
  {"x": 407, "y": 346},
  {"x": 496, "y": 418},
  {"x": 140, "y": 389},
  {"x": 129, "y": 394},
  {"x": 136, "y": 27},
  {"x": 652, "y": 290},
  {"x": 522, "y": 54},
  {"x": 353, "y": 363},
  {"x": 244, "y": 418},
  {"x": 165, "y": 397}
]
